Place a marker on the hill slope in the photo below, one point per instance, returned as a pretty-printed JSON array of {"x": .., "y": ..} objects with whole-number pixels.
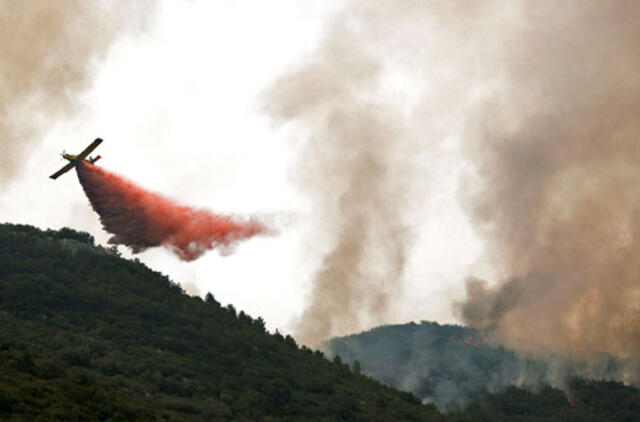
[
  {"x": 455, "y": 368},
  {"x": 85, "y": 334},
  {"x": 444, "y": 364},
  {"x": 584, "y": 400}
]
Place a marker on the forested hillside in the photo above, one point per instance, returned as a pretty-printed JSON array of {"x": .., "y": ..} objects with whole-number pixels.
[
  {"x": 87, "y": 335},
  {"x": 583, "y": 400},
  {"x": 445, "y": 364},
  {"x": 472, "y": 379}
]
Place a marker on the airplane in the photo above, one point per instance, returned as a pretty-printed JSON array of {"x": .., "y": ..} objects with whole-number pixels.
[{"x": 75, "y": 159}]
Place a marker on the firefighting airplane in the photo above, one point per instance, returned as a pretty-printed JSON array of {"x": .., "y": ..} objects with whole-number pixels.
[{"x": 75, "y": 159}]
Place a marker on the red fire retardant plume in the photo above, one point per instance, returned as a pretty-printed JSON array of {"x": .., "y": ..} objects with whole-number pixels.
[{"x": 140, "y": 219}]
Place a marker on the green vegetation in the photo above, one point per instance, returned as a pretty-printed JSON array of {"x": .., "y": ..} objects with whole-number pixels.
[
  {"x": 447, "y": 365},
  {"x": 87, "y": 335},
  {"x": 589, "y": 401},
  {"x": 456, "y": 368}
]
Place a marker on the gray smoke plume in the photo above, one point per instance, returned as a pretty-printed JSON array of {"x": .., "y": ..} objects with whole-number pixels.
[
  {"x": 544, "y": 98},
  {"x": 48, "y": 53},
  {"x": 557, "y": 155},
  {"x": 352, "y": 167},
  {"x": 379, "y": 90}
]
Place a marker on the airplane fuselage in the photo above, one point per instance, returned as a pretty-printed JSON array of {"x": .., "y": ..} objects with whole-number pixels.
[
  {"x": 74, "y": 158},
  {"x": 70, "y": 157}
]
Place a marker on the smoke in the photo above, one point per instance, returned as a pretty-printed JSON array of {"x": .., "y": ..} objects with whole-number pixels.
[
  {"x": 48, "y": 53},
  {"x": 352, "y": 168},
  {"x": 543, "y": 98},
  {"x": 368, "y": 103},
  {"x": 140, "y": 219},
  {"x": 557, "y": 155}
]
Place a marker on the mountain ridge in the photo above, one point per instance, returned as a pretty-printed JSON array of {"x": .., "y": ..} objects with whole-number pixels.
[
  {"x": 133, "y": 334},
  {"x": 88, "y": 335},
  {"x": 469, "y": 377}
]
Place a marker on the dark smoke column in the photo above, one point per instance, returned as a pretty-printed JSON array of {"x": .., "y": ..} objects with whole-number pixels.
[
  {"x": 354, "y": 169},
  {"x": 140, "y": 219},
  {"x": 559, "y": 195}
]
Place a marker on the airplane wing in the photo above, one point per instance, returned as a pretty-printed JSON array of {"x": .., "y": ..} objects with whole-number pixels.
[
  {"x": 89, "y": 149},
  {"x": 62, "y": 171}
]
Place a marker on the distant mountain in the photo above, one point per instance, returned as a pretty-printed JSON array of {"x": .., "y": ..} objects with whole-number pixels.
[
  {"x": 467, "y": 376},
  {"x": 444, "y": 364},
  {"x": 87, "y": 335}
]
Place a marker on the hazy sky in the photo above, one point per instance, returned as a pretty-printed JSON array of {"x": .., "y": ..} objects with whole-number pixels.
[{"x": 179, "y": 104}]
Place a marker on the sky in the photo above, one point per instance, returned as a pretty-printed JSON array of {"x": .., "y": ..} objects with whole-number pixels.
[{"x": 180, "y": 105}]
